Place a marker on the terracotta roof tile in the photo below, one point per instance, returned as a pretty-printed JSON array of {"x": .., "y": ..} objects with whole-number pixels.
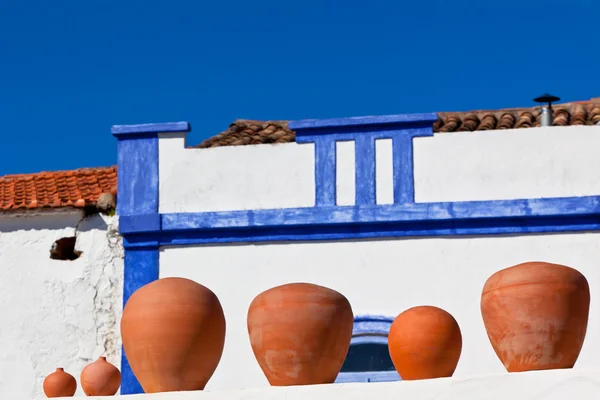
[
  {"x": 245, "y": 132},
  {"x": 77, "y": 188}
]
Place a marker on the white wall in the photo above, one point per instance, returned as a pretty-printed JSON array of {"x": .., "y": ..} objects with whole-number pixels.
[
  {"x": 238, "y": 177},
  {"x": 383, "y": 277},
  {"x": 56, "y": 313},
  {"x": 508, "y": 164},
  {"x": 484, "y": 165},
  {"x": 537, "y": 385}
]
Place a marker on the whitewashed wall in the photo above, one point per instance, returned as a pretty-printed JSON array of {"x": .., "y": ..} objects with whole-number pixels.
[
  {"x": 547, "y": 385},
  {"x": 484, "y": 165},
  {"x": 382, "y": 276},
  {"x": 56, "y": 313}
]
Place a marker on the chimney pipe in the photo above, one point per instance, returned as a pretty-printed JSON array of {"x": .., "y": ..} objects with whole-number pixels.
[{"x": 547, "y": 115}]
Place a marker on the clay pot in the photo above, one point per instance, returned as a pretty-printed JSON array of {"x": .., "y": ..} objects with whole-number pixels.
[
  {"x": 100, "y": 378},
  {"x": 300, "y": 333},
  {"x": 424, "y": 343},
  {"x": 173, "y": 332},
  {"x": 60, "y": 384},
  {"x": 536, "y": 315}
]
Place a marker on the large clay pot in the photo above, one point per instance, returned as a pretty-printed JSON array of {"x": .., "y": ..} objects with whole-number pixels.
[
  {"x": 173, "y": 332},
  {"x": 300, "y": 333},
  {"x": 60, "y": 384},
  {"x": 100, "y": 378},
  {"x": 536, "y": 315},
  {"x": 424, "y": 343}
]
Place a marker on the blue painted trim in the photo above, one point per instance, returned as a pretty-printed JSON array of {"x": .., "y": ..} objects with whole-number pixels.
[
  {"x": 135, "y": 224},
  {"x": 514, "y": 212},
  {"x": 364, "y": 131},
  {"x": 400, "y": 119},
  {"x": 351, "y": 135},
  {"x": 137, "y": 172},
  {"x": 365, "y": 170},
  {"x": 168, "y": 127},
  {"x": 403, "y": 167},
  {"x": 325, "y": 170},
  {"x": 371, "y": 325},
  {"x": 138, "y": 197},
  {"x": 141, "y": 268}
]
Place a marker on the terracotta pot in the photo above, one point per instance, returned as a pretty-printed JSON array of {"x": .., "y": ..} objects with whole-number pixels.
[
  {"x": 300, "y": 333},
  {"x": 100, "y": 378},
  {"x": 536, "y": 315},
  {"x": 173, "y": 332},
  {"x": 60, "y": 384},
  {"x": 424, "y": 343}
]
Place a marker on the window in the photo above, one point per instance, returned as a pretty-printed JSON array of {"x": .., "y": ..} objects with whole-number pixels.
[{"x": 368, "y": 358}]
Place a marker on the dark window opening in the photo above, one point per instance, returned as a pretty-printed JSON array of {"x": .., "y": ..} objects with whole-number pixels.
[
  {"x": 64, "y": 249},
  {"x": 366, "y": 357}
]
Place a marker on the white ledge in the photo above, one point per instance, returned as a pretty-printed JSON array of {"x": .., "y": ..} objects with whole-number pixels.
[{"x": 540, "y": 385}]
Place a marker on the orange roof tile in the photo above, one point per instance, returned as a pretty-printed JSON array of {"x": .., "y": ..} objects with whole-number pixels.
[{"x": 78, "y": 188}]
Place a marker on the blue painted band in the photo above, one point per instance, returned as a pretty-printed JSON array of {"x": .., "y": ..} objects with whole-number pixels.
[
  {"x": 353, "y": 134},
  {"x": 428, "y": 118},
  {"x": 325, "y": 169},
  {"x": 403, "y": 169},
  {"x": 475, "y": 227},
  {"x": 141, "y": 241},
  {"x": 376, "y": 339},
  {"x": 365, "y": 171},
  {"x": 137, "y": 183},
  {"x": 168, "y": 127},
  {"x": 141, "y": 268},
  {"x": 371, "y": 325},
  {"x": 320, "y": 217},
  {"x": 145, "y": 223},
  {"x": 137, "y": 191}
]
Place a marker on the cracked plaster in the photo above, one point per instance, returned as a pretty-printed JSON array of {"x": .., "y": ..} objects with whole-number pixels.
[{"x": 57, "y": 313}]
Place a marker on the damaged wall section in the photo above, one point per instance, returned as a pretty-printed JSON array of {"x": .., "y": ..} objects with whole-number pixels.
[{"x": 57, "y": 313}]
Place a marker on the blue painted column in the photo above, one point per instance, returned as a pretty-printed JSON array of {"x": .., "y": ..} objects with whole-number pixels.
[
  {"x": 364, "y": 131},
  {"x": 137, "y": 208}
]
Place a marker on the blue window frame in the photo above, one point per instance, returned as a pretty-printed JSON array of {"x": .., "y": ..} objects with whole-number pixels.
[{"x": 368, "y": 358}]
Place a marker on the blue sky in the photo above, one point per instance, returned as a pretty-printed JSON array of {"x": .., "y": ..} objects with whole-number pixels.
[{"x": 71, "y": 69}]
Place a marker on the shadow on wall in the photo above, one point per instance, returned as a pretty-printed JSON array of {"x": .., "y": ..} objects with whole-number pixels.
[
  {"x": 51, "y": 220},
  {"x": 66, "y": 224}
]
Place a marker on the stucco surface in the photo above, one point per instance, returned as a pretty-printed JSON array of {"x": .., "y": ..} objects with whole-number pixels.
[
  {"x": 380, "y": 277},
  {"x": 461, "y": 166},
  {"x": 238, "y": 177},
  {"x": 546, "y": 385},
  {"x": 56, "y": 313}
]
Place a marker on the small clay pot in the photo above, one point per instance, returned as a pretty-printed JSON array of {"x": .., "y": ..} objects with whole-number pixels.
[
  {"x": 300, "y": 333},
  {"x": 100, "y": 378},
  {"x": 60, "y": 384},
  {"x": 173, "y": 333},
  {"x": 536, "y": 315},
  {"x": 424, "y": 343}
]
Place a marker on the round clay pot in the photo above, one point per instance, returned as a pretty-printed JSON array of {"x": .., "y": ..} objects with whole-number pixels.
[
  {"x": 300, "y": 333},
  {"x": 60, "y": 384},
  {"x": 424, "y": 343},
  {"x": 100, "y": 378},
  {"x": 173, "y": 332},
  {"x": 536, "y": 315}
]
